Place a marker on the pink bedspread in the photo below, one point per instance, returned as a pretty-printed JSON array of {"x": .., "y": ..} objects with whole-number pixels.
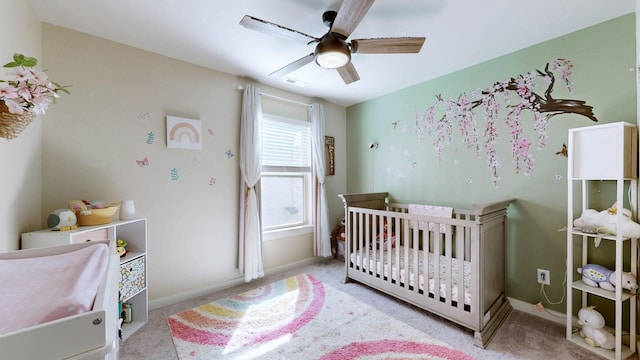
[{"x": 41, "y": 289}]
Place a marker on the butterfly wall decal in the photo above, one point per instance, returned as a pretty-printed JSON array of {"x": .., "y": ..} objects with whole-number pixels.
[{"x": 143, "y": 162}]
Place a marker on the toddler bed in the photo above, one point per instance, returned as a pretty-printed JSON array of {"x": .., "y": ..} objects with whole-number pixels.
[
  {"x": 60, "y": 302},
  {"x": 396, "y": 248}
]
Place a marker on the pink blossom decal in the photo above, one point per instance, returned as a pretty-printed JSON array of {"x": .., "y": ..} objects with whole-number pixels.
[{"x": 460, "y": 114}]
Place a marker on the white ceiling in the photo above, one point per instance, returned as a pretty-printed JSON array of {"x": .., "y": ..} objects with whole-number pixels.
[{"x": 459, "y": 33}]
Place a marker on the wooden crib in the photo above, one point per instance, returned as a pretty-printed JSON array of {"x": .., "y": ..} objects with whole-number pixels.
[{"x": 397, "y": 251}]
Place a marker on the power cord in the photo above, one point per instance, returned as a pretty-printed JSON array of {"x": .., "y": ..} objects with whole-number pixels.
[{"x": 543, "y": 296}]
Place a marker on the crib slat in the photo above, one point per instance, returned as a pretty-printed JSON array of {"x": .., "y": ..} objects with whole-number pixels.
[
  {"x": 436, "y": 265},
  {"x": 460, "y": 255},
  {"x": 426, "y": 249},
  {"x": 407, "y": 263},
  {"x": 448, "y": 252},
  {"x": 373, "y": 267},
  {"x": 415, "y": 246},
  {"x": 395, "y": 251},
  {"x": 367, "y": 242},
  {"x": 358, "y": 238},
  {"x": 383, "y": 270}
]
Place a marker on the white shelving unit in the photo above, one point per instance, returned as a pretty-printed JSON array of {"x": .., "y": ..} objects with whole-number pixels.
[
  {"x": 133, "y": 267},
  {"x": 606, "y": 153}
]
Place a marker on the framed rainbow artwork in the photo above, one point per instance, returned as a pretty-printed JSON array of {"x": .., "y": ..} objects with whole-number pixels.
[{"x": 184, "y": 133}]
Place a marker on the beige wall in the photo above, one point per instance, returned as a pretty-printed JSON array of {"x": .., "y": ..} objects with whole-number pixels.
[
  {"x": 93, "y": 137},
  {"x": 20, "y": 158}
]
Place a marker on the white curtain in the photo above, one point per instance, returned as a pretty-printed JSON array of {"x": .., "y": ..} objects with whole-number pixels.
[
  {"x": 250, "y": 231},
  {"x": 321, "y": 236}
]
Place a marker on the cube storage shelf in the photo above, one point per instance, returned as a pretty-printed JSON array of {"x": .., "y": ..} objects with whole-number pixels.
[
  {"x": 133, "y": 266},
  {"x": 606, "y": 152}
]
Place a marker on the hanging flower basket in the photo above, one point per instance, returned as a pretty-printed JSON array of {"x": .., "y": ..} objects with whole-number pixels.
[
  {"x": 29, "y": 94},
  {"x": 11, "y": 125}
]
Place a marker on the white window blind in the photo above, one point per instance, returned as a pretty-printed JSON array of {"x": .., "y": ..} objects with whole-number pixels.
[
  {"x": 285, "y": 144},
  {"x": 286, "y": 173}
]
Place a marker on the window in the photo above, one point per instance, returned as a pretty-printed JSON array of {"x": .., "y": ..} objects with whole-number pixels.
[{"x": 286, "y": 173}]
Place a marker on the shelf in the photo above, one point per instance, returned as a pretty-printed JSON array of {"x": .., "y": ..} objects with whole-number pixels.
[
  {"x": 611, "y": 295},
  {"x": 130, "y": 328},
  {"x": 609, "y": 354},
  {"x": 606, "y": 152},
  {"x": 604, "y": 237},
  {"x": 131, "y": 256},
  {"x": 134, "y": 295}
]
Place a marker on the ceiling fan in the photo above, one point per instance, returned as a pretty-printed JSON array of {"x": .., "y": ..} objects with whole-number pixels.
[{"x": 332, "y": 50}]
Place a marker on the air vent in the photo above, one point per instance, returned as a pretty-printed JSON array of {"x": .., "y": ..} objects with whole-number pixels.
[{"x": 294, "y": 81}]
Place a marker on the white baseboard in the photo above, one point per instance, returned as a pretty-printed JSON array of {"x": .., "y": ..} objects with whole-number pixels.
[
  {"x": 173, "y": 299},
  {"x": 552, "y": 315}
]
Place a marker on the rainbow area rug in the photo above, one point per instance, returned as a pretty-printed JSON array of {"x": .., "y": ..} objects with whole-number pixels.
[{"x": 299, "y": 318}]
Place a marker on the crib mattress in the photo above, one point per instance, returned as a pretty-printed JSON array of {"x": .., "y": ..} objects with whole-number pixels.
[{"x": 390, "y": 268}]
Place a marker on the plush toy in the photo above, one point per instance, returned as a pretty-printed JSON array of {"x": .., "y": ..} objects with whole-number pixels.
[
  {"x": 599, "y": 276},
  {"x": 383, "y": 238},
  {"x": 62, "y": 220},
  {"x": 337, "y": 236},
  {"x": 606, "y": 222},
  {"x": 593, "y": 330},
  {"x": 121, "y": 247}
]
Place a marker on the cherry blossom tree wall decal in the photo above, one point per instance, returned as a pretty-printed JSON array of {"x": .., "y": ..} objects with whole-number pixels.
[{"x": 462, "y": 113}]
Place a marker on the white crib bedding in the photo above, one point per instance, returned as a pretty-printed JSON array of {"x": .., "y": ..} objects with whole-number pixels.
[
  {"x": 356, "y": 258},
  {"x": 42, "y": 289}
]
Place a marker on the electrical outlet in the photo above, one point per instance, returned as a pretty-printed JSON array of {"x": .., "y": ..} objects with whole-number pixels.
[{"x": 544, "y": 277}]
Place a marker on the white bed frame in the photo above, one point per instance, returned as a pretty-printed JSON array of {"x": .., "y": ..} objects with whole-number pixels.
[
  {"x": 477, "y": 236},
  {"x": 89, "y": 335}
]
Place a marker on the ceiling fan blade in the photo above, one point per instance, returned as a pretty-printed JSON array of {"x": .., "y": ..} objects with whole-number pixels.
[
  {"x": 348, "y": 73},
  {"x": 387, "y": 45},
  {"x": 270, "y": 28},
  {"x": 349, "y": 16},
  {"x": 293, "y": 66}
]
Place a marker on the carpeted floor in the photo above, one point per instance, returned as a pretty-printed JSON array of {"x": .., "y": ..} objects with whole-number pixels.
[{"x": 522, "y": 336}]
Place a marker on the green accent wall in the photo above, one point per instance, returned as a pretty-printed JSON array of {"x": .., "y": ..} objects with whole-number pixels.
[{"x": 410, "y": 171}]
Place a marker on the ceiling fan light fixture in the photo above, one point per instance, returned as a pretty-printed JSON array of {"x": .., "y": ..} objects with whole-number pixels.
[{"x": 332, "y": 52}]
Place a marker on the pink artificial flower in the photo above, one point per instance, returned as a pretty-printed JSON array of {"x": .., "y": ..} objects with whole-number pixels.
[
  {"x": 15, "y": 107},
  {"x": 21, "y": 74},
  {"x": 40, "y": 77},
  {"x": 40, "y": 104},
  {"x": 8, "y": 92},
  {"x": 25, "y": 93}
]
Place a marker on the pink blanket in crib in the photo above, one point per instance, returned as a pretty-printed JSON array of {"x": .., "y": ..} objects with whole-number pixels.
[{"x": 42, "y": 289}]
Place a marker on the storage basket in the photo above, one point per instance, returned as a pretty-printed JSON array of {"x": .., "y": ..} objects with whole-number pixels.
[
  {"x": 11, "y": 125},
  {"x": 88, "y": 217}
]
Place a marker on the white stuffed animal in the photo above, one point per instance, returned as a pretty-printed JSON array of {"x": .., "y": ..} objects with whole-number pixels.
[
  {"x": 599, "y": 276},
  {"x": 593, "y": 330},
  {"x": 606, "y": 222},
  {"x": 62, "y": 220}
]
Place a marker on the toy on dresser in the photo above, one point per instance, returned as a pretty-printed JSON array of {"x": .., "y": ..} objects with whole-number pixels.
[
  {"x": 593, "y": 331},
  {"x": 62, "y": 220},
  {"x": 599, "y": 276}
]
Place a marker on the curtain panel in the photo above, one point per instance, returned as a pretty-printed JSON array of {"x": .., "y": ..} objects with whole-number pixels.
[
  {"x": 321, "y": 234},
  {"x": 250, "y": 230}
]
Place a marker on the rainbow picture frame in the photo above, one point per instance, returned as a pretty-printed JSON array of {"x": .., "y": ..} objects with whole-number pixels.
[{"x": 184, "y": 133}]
